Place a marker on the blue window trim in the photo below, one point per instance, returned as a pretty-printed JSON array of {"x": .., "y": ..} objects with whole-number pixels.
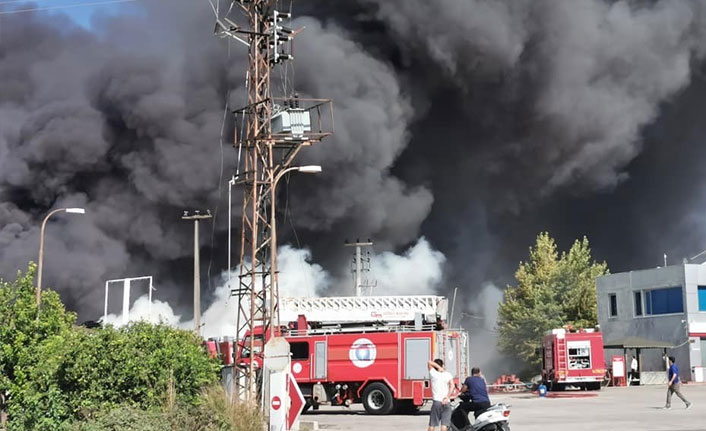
[
  {"x": 701, "y": 290},
  {"x": 661, "y": 301}
]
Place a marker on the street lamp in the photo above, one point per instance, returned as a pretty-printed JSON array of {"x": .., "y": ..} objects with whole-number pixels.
[
  {"x": 307, "y": 169},
  {"x": 197, "y": 265},
  {"x": 231, "y": 183},
  {"x": 40, "y": 264}
]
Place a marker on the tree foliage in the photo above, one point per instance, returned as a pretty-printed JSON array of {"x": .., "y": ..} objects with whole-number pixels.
[
  {"x": 552, "y": 291},
  {"x": 56, "y": 372},
  {"x": 24, "y": 331}
]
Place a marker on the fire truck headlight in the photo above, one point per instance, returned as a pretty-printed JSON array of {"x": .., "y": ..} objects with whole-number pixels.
[
  {"x": 338, "y": 387},
  {"x": 345, "y": 387}
]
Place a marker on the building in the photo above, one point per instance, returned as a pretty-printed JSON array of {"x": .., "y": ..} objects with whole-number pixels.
[{"x": 662, "y": 304}]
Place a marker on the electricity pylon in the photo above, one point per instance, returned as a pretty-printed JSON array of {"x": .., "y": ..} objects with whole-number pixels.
[{"x": 273, "y": 131}]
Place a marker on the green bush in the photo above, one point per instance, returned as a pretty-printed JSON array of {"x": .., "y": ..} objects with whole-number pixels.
[
  {"x": 25, "y": 331},
  {"x": 126, "y": 419},
  {"x": 56, "y": 373},
  {"x": 214, "y": 412},
  {"x": 134, "y": 365},
  {"x": 238, "y": 416}
]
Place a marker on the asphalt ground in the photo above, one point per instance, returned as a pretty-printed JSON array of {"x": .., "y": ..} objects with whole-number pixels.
[{"x": 629, "y": 408}]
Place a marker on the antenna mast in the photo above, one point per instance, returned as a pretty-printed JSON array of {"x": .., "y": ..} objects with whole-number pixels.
[
  {"x": 275, "y": 130},
  {"x": 360, "y": 264}
]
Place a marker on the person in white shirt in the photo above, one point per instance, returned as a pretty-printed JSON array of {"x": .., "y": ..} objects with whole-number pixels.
[
  {"x": 633, "y": 368},
  {"x": 442, "y": 388}
]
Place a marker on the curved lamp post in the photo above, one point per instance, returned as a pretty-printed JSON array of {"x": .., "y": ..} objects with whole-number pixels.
[
  {"x": 308, "y": 169},
  {"x": 41, "y": 247}
]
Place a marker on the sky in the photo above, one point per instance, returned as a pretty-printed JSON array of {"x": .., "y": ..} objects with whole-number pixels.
[{"x": 80, "y": 12}]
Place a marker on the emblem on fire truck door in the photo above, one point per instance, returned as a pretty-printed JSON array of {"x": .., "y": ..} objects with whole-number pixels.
[{"x": 362, "y": 353}]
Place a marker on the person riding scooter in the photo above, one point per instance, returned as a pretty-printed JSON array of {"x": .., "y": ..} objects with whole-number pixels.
[{"x": 474, "y": 398}]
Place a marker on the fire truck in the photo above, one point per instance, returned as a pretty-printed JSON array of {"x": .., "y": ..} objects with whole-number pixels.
[
  {"x": 573, "y": 358},
  {"x": 371, "y": 350}
]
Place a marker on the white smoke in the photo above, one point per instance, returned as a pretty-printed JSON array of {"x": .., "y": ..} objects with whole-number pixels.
[
  {"x": 141, "y": 310},
  {"x": 298, "y": 275},
  {"x": 480, "y": 321},
  {"x": 417, "y": 271}
]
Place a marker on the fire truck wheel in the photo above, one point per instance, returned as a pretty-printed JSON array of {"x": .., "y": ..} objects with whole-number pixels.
[{"x": 377, "y": 399}]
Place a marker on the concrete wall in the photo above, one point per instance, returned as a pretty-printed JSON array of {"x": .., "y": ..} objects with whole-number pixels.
[
  {"x": 695, "y": 276},
  {"x": 669, "y": 328}
]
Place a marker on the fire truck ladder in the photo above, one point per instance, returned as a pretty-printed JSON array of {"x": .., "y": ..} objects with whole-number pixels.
[
  {"x": 366, "y": 309},
  {"x": 561, "y": 353}
]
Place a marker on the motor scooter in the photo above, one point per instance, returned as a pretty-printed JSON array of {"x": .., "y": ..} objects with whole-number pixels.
[{"x": 494, "y": 418}]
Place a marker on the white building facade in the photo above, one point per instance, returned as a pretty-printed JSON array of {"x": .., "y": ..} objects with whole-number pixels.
[{"x": 662, "y": 304}]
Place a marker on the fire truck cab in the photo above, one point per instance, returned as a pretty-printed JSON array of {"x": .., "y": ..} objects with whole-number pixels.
[
  {"x": 370, "y": 350},
  {"x": 573, "y": 358}
]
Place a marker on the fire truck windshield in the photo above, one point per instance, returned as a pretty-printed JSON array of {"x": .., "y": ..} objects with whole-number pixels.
[{"x": 257, "y": 347}]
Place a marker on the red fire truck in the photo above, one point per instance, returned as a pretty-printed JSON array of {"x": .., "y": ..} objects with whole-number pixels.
[
  {"x": 371, "y": 350},
  {"x": 573, "y": 358}
]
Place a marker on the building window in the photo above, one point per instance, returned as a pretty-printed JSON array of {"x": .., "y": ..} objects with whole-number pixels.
[
  {"x": 613, "y": 305},
  {"x": 663, "y": 301},
  {"x": 702, "y": 299},
  {"x": 300, "y": 350},
  {"x": 638, "y": 303}
]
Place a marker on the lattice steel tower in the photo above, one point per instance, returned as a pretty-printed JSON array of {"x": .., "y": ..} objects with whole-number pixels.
[{"x": 270, "y": 132}]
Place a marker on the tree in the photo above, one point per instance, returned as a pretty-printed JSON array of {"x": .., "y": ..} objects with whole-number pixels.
[{"x": 551, "y": 291}]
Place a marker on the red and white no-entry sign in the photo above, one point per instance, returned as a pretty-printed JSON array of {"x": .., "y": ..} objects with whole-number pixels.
[{"x": 276, "y": 402}]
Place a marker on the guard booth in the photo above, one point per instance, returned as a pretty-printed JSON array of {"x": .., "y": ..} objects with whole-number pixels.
[{"x": 651, "y": 359}]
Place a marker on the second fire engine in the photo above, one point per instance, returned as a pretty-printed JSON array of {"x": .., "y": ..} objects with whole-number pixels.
[{"x": 573, "y": 358}]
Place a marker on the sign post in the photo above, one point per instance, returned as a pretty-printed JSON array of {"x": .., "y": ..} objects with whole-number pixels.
[
  {"x": 276, "y": 373},
  {"x": 296, "y": 401},
  {"x": 618, "y": 363}
]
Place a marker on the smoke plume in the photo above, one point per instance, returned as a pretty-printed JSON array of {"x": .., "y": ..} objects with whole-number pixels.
[
  {"x": 471, "y": 123},
  {"x": 298, "y": 277}
]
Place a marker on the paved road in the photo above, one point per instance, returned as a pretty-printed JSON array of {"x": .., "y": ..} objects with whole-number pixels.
[{"x": 633, "y": 408}]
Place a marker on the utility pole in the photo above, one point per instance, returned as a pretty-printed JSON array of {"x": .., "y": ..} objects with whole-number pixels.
[
  {"x": 197, "y": 262},
  {"x": 360, "y": 264},
  {"x": 272, "y": 132}
]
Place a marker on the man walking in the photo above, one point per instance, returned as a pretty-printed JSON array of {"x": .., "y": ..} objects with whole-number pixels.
[
  {"x": 442, "y": 386},
  {"x": 673, "y": 386}
]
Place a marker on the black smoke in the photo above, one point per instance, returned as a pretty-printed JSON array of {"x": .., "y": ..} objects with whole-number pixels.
[{"x": 474, "y": 123}]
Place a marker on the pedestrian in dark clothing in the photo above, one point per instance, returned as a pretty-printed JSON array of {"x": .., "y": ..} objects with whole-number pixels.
[
  {"x": 474, "y": 396},
  {"x": 674, "y": 385}
]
